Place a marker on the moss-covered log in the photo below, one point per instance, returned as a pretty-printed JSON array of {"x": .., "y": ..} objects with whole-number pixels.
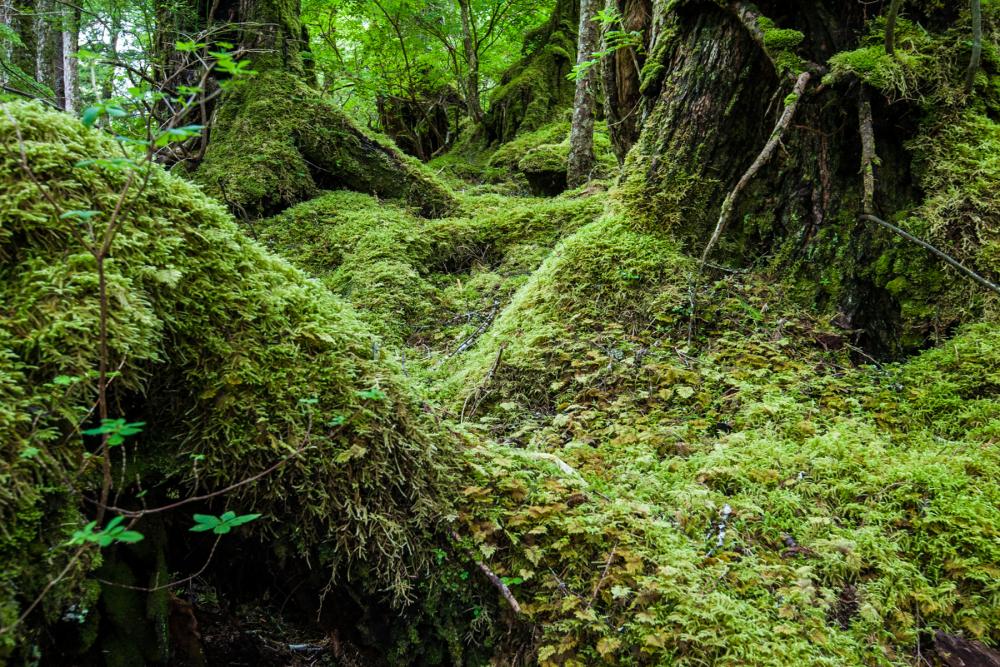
[
  {"x": 234, "y": 360},
  {"x": 276, "y": 141}
]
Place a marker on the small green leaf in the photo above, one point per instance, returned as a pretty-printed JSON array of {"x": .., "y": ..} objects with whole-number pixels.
[{"x": 80, "y": 215}]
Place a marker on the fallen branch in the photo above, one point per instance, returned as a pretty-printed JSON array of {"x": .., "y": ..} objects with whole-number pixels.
[
  {"x": 495, "y": 580},
  {"x": 868, "y": 157},
  {"x": 765, "y": 155},
  {"x": 948, "y": 259}
]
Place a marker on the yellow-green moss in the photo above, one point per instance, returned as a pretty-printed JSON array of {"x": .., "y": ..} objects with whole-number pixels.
[{"x": 222, "y": 341}]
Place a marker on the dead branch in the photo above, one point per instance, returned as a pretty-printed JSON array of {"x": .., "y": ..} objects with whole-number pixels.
[
  {"x": 604, "y": 575},
  {"x": 495, "y": 580},
  {"x": 868, "y": 157},
  {"x": 948, "y": 259}
]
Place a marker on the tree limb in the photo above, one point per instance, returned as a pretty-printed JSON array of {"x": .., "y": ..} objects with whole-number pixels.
[{"x": 948, "y": 259}]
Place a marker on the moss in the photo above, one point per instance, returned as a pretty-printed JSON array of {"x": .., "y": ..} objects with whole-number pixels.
[
  {"x": 225, "y": 340},
  {"x": 388, "y": 262},
  {"x": 277, "y": 142},
  {"x": 535, "y": 90}
]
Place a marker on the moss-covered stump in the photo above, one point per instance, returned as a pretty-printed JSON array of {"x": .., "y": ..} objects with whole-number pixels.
[
  {"x": 535, "y": 89},
  {"x": 277, "y": 142},
  {"x": 235, "y": 360}
]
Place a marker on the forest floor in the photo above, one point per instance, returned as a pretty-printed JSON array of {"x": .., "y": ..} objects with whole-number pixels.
[{"x": 756, "y": 486}]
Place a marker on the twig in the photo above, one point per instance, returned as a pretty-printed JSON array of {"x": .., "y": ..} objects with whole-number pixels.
[
  {"x": 495, "y": 580},
  {"x": 948, "y": 259},
  {"x": 890, "y": 26},
  {"x": 172, "y": 584},
  {"x": 604, "y": 575}
]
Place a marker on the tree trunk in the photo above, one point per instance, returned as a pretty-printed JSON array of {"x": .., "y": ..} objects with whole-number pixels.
[
  {"x": 581, "y": 135},
  {"x": 277, "y": 141},
  {"x": 712, "y": 96},
  {"x": 621, "y": 77},
  {"x": 70, "y": 66},
  {"x": 472, "y": 59}
]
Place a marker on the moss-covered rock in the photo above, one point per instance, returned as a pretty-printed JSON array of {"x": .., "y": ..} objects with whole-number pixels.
[
  {"x": 277, "y": 142},
  {"x": 234, "y": 359}
]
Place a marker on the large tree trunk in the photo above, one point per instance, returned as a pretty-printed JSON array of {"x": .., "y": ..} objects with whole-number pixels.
[
  {"x": 712, "y": 95},
  {"x": 581, "y": 135}
]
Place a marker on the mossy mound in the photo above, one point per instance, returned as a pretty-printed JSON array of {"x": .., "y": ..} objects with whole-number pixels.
[
  {"x": 234, "y": 359},
  {"x": 399, "y": 269},
  {"x": 277, "y": 142},
  {"x": 824, "y": 519},
  {"x": 542, "y": 156}
]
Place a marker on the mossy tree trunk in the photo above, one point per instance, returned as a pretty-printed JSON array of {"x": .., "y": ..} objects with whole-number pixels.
[
  {"x": 581, "y": 134},
  {"x": 712, "y": 89},
  {"x": 276, "y": 141}
]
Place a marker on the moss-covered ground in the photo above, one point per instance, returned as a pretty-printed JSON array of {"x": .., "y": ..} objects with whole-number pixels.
[{"x": 511, "y": 385}]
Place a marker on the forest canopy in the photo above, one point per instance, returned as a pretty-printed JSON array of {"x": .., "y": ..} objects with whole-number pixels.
[{"x": 497, "y": 332}]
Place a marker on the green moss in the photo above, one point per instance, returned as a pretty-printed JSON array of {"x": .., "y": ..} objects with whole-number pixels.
[
  {"x": 277, "y": 142},
  {"x": 225, "y": 340}
]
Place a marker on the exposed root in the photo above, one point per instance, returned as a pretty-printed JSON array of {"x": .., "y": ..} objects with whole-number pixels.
[
  {"x": 763, "y": 158},
  {"x": 868, "y": 156}
]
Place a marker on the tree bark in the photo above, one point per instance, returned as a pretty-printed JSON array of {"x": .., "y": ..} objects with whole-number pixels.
[
  {"x": 475, "y": 107},
  {"x": 69, "y": 36},
  {"x": 581, "y": 136},
  {"x": 890, "y": 26}
]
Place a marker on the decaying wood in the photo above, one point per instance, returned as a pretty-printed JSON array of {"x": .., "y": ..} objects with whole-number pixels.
[
  {"x": 763, "y": 158},
  {"x": 948, "y": 259},
  {"x": 956, "y": 651},
  {"x": 867, "y": 152}
]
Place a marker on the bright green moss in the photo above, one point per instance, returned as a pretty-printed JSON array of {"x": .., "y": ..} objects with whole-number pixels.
[{"x": 223, "y": 341}]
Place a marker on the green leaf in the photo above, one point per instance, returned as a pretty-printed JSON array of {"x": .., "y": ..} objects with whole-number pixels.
[
  {"x": 90, "y": 115},
  {"x": 245, "y": 518},
  {"x": 80, "y": 215},
  {"x": 30, "y": 452}
]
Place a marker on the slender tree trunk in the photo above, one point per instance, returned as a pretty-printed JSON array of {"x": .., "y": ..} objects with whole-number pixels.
[
  {"x": 581, "y": 136},
  {"x": 107, "y": 87},
  {"x": 6, "y": 48},
  {"x": 977, "y": 46},
  {"x": 472, "y": 58},
  {"x": 890, "y": 26},
  {"x": 70, "y": 37}
]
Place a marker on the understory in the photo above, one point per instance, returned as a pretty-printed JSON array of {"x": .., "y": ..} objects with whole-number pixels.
[{"x": 485, "y": 419}]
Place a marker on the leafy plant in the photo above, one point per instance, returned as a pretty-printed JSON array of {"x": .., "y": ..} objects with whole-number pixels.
[
  {"x": 111, "y": 533},
  {"x": 116, "y": 430},
  {"x": 220, "y": 525}
]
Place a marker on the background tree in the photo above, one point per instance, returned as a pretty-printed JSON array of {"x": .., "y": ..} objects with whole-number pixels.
[{"x": 581, "y": 137}]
